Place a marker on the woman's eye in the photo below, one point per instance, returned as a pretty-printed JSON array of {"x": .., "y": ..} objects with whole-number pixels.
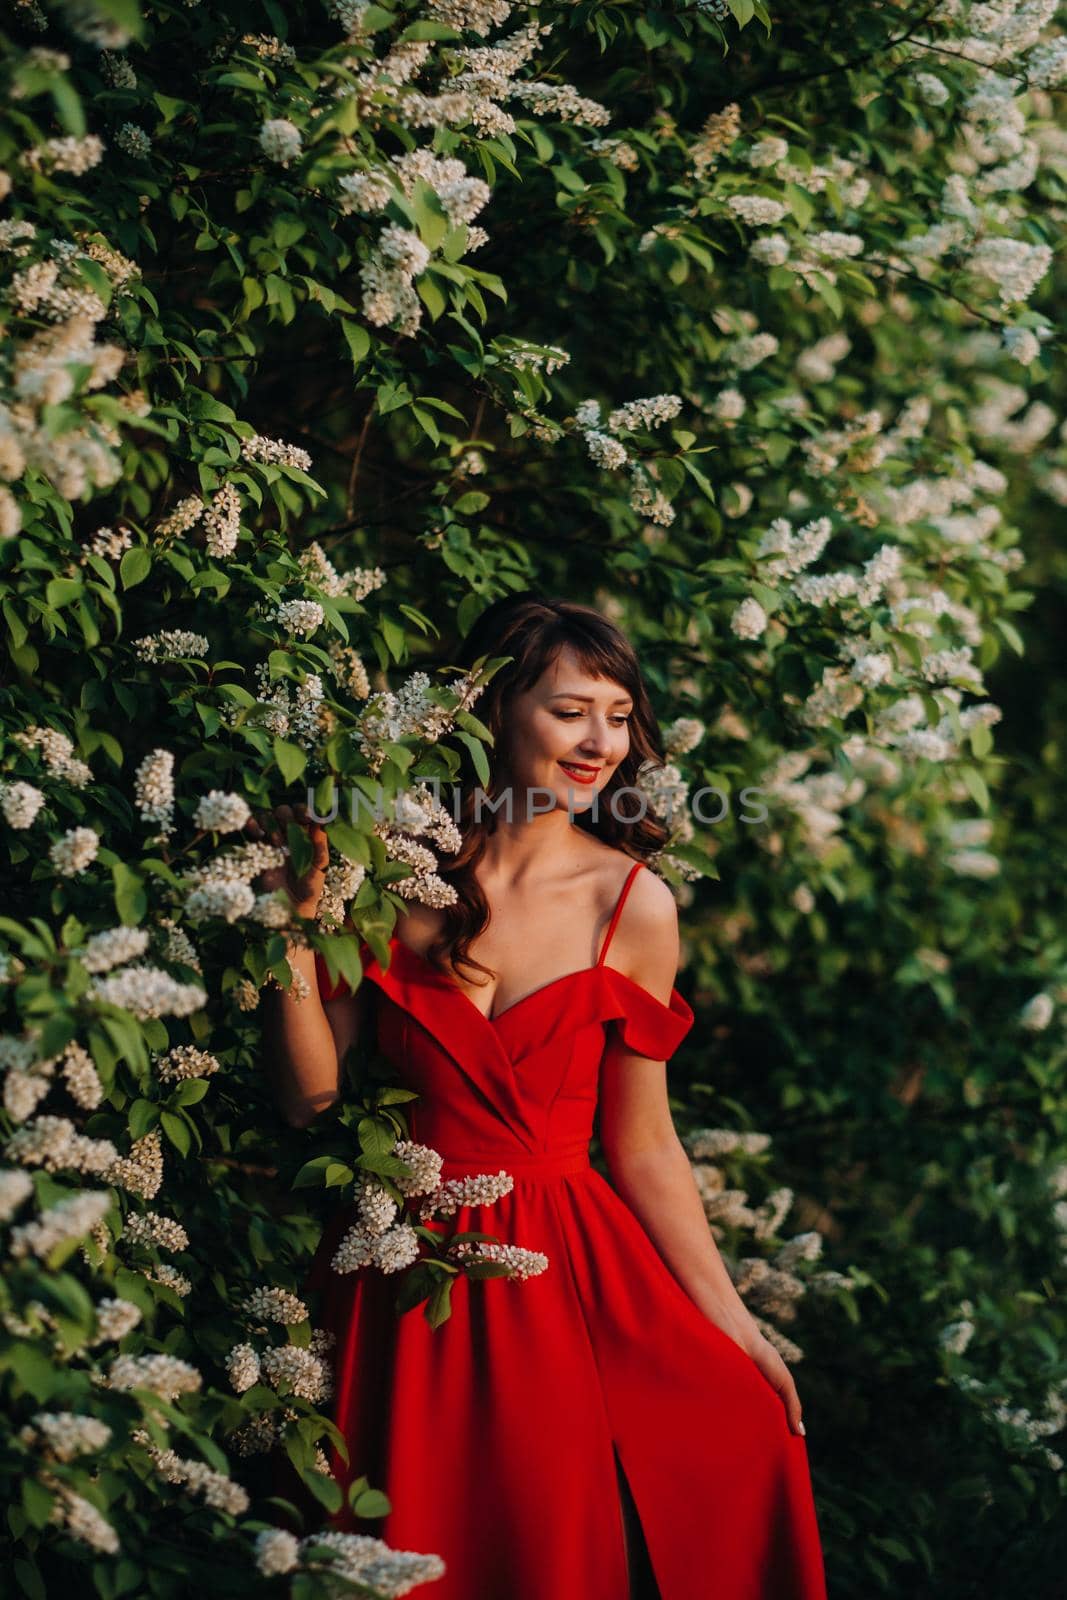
[{"x": 566, "y": 716}]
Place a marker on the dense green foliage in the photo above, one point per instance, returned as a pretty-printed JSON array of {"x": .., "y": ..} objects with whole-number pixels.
[{"x": 326, "y": 324}]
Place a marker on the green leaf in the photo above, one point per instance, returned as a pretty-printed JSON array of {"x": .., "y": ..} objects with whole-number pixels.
[
  {"x": 439, "y": 1305},
  {"x": 431, "y": 296},
  {"x": 976, "y": 787},
  {"x": 371, "y": 1504},
  {"x": 1012, "y": 634},
  {"x": 325, "y": 1489},
  {"x": 36, "y": 1500},
  {"x": 358, "y": 341},
  {"x": 312, "y": 1175},
  {"x": 131, "y": 902},
  {"x": 467, "y": 504},
  {"x": 176, "y": 1130},
  {"x": 291, "y": 759},
  {"x": 478, "y": 755},
  {"x": 143, "y": 1114}
]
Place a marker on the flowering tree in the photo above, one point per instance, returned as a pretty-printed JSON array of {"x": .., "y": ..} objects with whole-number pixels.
[{"x": 324, "y": 327}]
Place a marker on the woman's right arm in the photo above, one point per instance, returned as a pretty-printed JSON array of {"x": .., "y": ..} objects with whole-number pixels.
[{"x": 305, "y": 1039}]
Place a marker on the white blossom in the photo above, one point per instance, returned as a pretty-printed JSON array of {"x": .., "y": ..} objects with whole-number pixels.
[
  {"x": 20, "y": 803},
  {"x": 73, "y": 851},
  {"x": 221, "y": 811},
  {"x": 749, "y": 620},
  {"x": 112, "y": 947},
  {"x": 1037, "y": 1013},
  {"x": 756, "y": 209},
  {"x": 148, "y": 992},
  {"x": 299, "y": 616},
  {"x": 280, "y": 140}
]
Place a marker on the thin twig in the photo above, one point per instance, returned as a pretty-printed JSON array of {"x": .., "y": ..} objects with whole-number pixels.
[{"x": 350, "y": 498}]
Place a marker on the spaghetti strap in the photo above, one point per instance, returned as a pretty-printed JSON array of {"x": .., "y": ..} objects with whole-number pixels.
[{"x": 620, "y": 902}]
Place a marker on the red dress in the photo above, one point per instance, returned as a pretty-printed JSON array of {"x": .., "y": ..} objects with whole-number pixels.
[{"x": 494, "y": 1435}]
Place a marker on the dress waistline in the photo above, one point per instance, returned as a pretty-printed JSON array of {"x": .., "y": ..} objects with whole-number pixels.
[{"x": 547, "y": 1164}]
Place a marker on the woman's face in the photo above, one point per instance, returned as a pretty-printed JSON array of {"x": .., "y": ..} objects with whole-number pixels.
[{"x": 567, "y": 734}]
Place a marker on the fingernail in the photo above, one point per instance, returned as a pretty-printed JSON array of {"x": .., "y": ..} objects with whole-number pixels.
[{"x": 801, "y": 1428}]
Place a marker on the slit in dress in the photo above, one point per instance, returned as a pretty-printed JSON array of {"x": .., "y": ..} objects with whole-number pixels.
[{"x": 641, "y": 1581}]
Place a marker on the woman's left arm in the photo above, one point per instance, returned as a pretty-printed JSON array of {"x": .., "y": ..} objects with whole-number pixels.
[{"x": 648, "y": 1164}]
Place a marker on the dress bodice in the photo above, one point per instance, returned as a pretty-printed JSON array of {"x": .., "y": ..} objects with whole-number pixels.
[{"x": 523, "y": 1081}]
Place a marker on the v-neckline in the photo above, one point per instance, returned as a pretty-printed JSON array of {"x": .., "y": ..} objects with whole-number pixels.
[{"x": 495, "y": 1021}]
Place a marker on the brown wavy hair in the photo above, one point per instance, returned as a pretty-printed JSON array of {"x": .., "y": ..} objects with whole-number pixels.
[{"x": 533, "y": 629}]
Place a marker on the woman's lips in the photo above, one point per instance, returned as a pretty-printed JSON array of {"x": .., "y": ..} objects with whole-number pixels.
[{"x": 579, "y": 774}]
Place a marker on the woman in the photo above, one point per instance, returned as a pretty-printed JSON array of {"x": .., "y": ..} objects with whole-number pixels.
[{"x": 616, "y": 1425}]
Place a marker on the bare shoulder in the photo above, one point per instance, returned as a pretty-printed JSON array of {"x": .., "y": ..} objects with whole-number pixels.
[{"x": 646, "y": 943}]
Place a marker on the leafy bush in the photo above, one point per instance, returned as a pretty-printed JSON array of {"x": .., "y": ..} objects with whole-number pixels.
[{"x": 326, "y": 325}]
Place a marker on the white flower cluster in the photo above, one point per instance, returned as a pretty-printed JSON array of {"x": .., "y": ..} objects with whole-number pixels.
[
  {"x": 186, "y": 514},
  {"x": 520, "y": 1262},
  {"x": 185, "y": 1061},
  {"x": 425, "y": 1164},
  {"x": 648, "y": 413},
  {"x": 743, "y": 354},
  {"x": 321, "y": 572},
  {"x": 113, "y": 947},
  {"x": 748, "y": 620},
  {"x": 170, "y": 644},
  {"x": 139, "y": 1172},
  {"x": 70, "y": 154},
  {"x": 169, "y": 1277},
  {"x": 343, "y": 879},
  {"x": 390, "y": 1250},
  {"x": 20, "y": 803},
  {"x": 356, "y": 1558},
  {"x": 275, "y": 452},
  {"x": 134, "y": 141},
  {"x": 153, "y": 788},
  {"x": 299, "y": 617},
  {"x": 305, "y": 1373},
  {"x": 47, "y": 365},
  {"x": 243, "y": 1367},
  {"x": 608, "y": 452},
  {"x": 79, "y": 1518},
  {"x": 683, "y": 735},
  {"x": 280, "y": 140},
  {"x": 222, "y": 521},
  {"x": 718, "y": 134},
  {"x": 164, "y": 1375},
  {"x": 299, "y": 713},
  {"x": 114, "y": 1320},
  {"x": 148, "y": 992},
  {"x": 222, "y": 886},
  {"x": 55, "y": 1144},
  {"x": 150, "y": 1228},
  {"x": 74, "y": 850},
  {"x": 1037, "y": 1013},
  {"x": 71, "y": 1218},
  {"x": 221, "y": 811},
  {"x": 57, "y": 752},
  {"x": 15, "y": 1187},
  {"x": 412, "y": 711},
  {"x": 178, "y": 947},
  {"x": 64, "y": 1435},
  {"x": 274, "y": 1305},
  {"x": 479, "y": 1189},
  {"x": 756, "y": 209},
  {"x": 219, "y": 1491}
]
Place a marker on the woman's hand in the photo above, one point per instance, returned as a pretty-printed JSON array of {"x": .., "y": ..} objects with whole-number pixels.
[
  {"x": 778, "y": 1375},
  {"x": 304, "y": 891},
  {"x": 745, "y": 1332}
]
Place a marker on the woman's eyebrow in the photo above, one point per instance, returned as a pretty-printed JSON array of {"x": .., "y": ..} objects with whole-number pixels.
[{"x": 566, "y": 694}]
